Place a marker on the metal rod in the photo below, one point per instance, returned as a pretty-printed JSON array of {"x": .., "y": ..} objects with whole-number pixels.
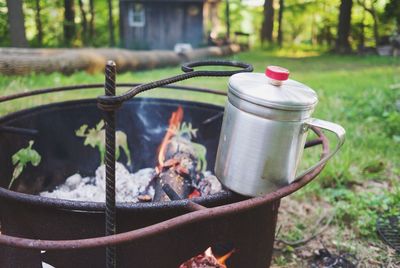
[
  {"x": 170, "y": 192},
  {"x": 110, "y": 213},
  {"x": 42, "y": 91},
  {"x": 19, "y": 131},
  {"x": 213, "y": 118},
  {"x": 108, "y": 102}
]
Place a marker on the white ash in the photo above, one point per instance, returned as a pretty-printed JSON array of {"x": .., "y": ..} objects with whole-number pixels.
[
  {"x": 209, "y": 184},
  {"x": 128, "y": 185}
]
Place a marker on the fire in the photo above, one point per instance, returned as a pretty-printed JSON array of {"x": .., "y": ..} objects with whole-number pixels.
[
  {"x": 173, "y": 126},
  {"x": 207, "y": 259},
  {"x": 194, "y": 194},
  {"x": 220, "y": 260}
]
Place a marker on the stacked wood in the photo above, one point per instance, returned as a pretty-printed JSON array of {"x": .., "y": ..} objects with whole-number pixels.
[{"x": 15, "y": 61}]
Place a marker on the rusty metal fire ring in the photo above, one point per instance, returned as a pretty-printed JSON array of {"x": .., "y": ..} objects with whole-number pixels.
[{"x": 197, "y": 214}]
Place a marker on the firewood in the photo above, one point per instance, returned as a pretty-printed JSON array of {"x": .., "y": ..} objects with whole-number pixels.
[
  {"x": 181, "y": 185},
  {"x": 178, "y": 170}
]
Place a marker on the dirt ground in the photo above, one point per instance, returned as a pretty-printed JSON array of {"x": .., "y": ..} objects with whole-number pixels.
[{"x": 307, "y": 232}]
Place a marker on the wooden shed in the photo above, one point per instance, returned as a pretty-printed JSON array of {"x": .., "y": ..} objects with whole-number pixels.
[{"x": 160, "y": 24}]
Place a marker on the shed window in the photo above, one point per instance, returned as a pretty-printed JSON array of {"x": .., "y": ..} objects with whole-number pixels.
[{"x": 136, "y": 15}]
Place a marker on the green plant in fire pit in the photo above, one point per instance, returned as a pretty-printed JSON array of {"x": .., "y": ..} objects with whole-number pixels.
[
  {"x": 23, "y": 157},
  {"x": 186, "y": 130},
  {"x": 95, "y": 137}
]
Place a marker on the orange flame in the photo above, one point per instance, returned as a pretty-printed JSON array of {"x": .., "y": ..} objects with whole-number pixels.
[
  {"x": 220, "y": 260},
  {"x": 173, "y": 126}
]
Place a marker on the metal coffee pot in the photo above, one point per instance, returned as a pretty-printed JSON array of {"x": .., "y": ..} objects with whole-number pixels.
[{"x": 265, "y": 125}]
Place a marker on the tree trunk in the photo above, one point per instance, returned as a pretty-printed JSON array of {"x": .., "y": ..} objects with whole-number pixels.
[
  {"x": 84, "y": 23},
  {"x": 330, "y": 40},
  {"x": 342, "y": 41},
  {"x": 111, "y": 24},
  {"x": 362, "y": 32},
  {"x": 375, "y": 18},
  {"x": 371, "y": 10},
  {"x": 91, "y": 22},
  {"x": 228, "y": 20},
  {"x": 280, "y": 16},
  {"x": 16, "y": 23},
  {"x": 39, "y": 27},
  {"x": 268, "y": 23},
  {"x": 69, "y": 22}
]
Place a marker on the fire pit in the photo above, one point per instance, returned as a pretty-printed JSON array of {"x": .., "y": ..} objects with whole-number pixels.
[{"x": 66, "y": 233}]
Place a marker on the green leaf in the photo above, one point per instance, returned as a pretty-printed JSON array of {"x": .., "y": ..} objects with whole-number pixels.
[
  {"x": 21, "y": 158},
  {"x": 17, "y": 171},
  {"x": 100, "y": 125},
  {"x": 81, "y": 131},
  {"x": 95, "y": 138},
  {"x": 201, "y": 152},
  {"x": 122, "y": 141}
]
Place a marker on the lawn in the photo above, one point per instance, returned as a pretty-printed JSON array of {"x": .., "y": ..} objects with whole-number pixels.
[{"x": 362, "y": 180}]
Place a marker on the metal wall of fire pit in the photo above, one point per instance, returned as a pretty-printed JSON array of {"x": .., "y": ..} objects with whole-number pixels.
[{"x": 24, "y": 214}]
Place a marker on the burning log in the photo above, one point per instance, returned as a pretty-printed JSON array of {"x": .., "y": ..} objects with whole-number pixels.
[
  {"x": 179, "y": 171},
  {"x": 177, "y": 161},
  {"x": 181, "y": 163}
]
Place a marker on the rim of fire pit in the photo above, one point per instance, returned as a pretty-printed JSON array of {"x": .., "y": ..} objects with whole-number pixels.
[{"x": 239, "y": 202}]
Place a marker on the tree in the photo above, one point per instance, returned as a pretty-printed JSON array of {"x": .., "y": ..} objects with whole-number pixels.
[
  {"x": 362, "y": 31},
  {"x": 16, "y": 23},
  {"x": 84, "y": 22},
  {"x": 228, "y": 20},
  {"x": 268, "y": 23},
  {"x": 38, "y": 21},
  {"x": 69, "y": 21},
  {"x": 91, "y": 21},
  {"x": 111, "y": 23},
  {"x": 392, "y": 10},
  {"x": 280, "y": 16},
  {"x": 371, "y": 10},
  {"x": 342, "y": 41}
]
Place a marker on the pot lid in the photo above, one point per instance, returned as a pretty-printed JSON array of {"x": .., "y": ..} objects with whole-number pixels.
[{"x": 273, "y": 89}]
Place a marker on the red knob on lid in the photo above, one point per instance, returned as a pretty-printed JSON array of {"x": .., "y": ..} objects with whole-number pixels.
[{"x": 277, "y": 73}]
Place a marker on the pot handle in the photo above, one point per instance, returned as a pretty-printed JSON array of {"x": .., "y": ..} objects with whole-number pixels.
[{"x": 332, "y": 127}]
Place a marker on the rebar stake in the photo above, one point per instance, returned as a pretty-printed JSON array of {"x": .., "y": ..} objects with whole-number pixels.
[{"x": 109, "y": 118}]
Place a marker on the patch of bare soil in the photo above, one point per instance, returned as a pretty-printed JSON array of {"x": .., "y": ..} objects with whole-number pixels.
[{"x": 308, "y": 237}]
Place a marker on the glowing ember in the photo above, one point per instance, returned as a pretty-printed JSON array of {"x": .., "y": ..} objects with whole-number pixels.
[
  {"x": 207, "y": 260},
  {"x": 194, "y": 194},
  {"x": 174, "y": 123}
]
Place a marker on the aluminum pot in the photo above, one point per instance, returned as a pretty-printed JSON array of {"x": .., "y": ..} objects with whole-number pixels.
[{"x": 265, "y": 125}]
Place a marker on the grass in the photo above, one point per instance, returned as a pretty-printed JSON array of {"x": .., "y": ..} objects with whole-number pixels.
[{"x": 360, "y": 93}]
